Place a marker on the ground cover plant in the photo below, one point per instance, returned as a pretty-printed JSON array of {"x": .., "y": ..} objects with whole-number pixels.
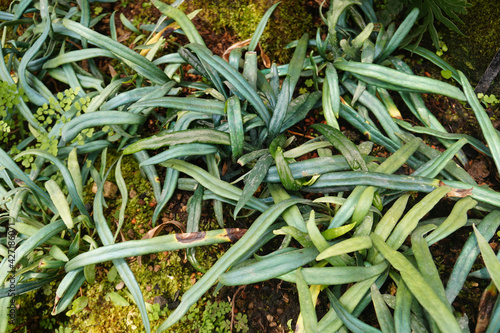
[{"x": 342, "y": 215}]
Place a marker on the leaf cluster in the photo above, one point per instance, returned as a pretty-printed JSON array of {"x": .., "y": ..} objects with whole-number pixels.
[{"x": 225, "y": 138}]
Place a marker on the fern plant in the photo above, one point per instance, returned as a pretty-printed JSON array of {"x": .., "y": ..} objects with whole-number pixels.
[{"x": 445, "y": 11}]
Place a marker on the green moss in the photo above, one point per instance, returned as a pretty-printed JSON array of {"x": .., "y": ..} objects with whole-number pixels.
[
  {"x": 241, "y": 17},
  {"x": 473, "y": 52}
]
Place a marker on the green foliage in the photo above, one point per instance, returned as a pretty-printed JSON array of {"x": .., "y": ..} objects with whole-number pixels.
[
  {"x": 226, "y": 138},
  {"x": 488, "y": 99},
  {"x": 242, "y": 16},
  {"x": 9, "y": 97},
  {"x": 215, "y": 317},
  {"x": 445, "y": 11}
]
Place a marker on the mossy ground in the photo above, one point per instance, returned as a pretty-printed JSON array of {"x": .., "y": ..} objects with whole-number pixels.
[
  {"x": 241, "y": 17},
  {"x": 473, "y": 52}
]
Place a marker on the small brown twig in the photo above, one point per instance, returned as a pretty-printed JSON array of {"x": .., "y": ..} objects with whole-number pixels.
[{"x": 232, "y": 306}]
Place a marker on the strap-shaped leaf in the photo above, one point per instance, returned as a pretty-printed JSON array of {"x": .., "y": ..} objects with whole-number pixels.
[
  {"x": 102, "y": 118},
  {"x": 399, "y": 35},
  {"x": 260, "y": 28},
  {"x": 207, "y": 136},
  {"x": 258, "y": 228},
  {"x": 488, "y": 227},
  {"x": 489, "y": 257},
  {"x": 188, "y": 149},
  {"x": 185, "y": 23},
  {"x": 29, "y": 245},
  {"x": 377, "y": 108},
  {"x": 307, "y": 307},
  {"x": 137, "y": 62},
  {"x": 253, "y": 180},
  {"x": 348, "y": 245},
  {"x": 268, "y": 268},
  {"x": 352, "y": 323},
  {"x": 78, "y": 55},
  {"x": 424, "y": 294},
  {"x": 121, "y": 265},
  {"x": 59, "y": 200},
  {"x": 401, "y": 79},
  {"x": 384, "y": 316},
  {"x": 279, "y": 112},
  {"x": 402, "y": 310},
  {"x": 236, "y": 133},
  {"x": 235, "y": 79},
  {"x": 285, "y": 173},
  {"x": 489, "y": 131},
  {"x": 343, "y": 145},
  {"x": 297, "y": 62},
  {"x": 298, "y": 109}
]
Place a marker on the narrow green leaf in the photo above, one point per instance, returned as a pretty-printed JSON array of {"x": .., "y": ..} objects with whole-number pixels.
[
  {"x": 60, "y": 202},
  {"x": 307, "y": 309},
  {"x": 410, "y": 220},
  {"x": 402, "y": 309},
  {"x": 120, "y": 182},
  {"x": 182, "y": 103},
  {"x": 425, "y": 262},
  {"x": 352, "y": 323},
  {"x": 207, "y": 136},
  {"x": 116, "y": 299},
  {"x": 180, "y": 150},
  {"x": 128, "y": 24},
  {"x": 236, "y": 134},
  {"x": 292, "y": 215},
  {"x": 74, "y": 170},
  {"x": 186, "y": 25},
  {"x": 489, "y": 257},
  {"x": 253, "y": 181},
  {"x": 285, "y": 173},
  {"x": 384, "y": 317},
  {"x": 488, "y": 227},
  {"x": 29, "y": 245},
  {"x": 401, "y": 79},
  {"x": 268, "y": 268},
  {"x": 137, "y": 62},
  {"x": 297, "y": 62},
  {"x": 78, "y": 55},
  {"x": 234, "y": 78},
  {"x": 424, "y": 294},
  {"x": 284, "y": 97},
  {"x": 346, "y": 246},
  {"x": 260, "y": 28},
  {"x": 344, "y": 145},
  {"x": 124, "y": 270},
  {"x": 400, "y": 34},
  {"x": 454, "y": 221},
  {"x": 257, "y": 229},
  {"x": 488, "y": 130},
  {"x": 102, "y": 118}
]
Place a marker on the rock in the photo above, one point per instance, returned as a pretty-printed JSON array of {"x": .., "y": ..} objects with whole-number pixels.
[
  {"x": 110, "y": 189},
  {"x": 162, "y": 301}
]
